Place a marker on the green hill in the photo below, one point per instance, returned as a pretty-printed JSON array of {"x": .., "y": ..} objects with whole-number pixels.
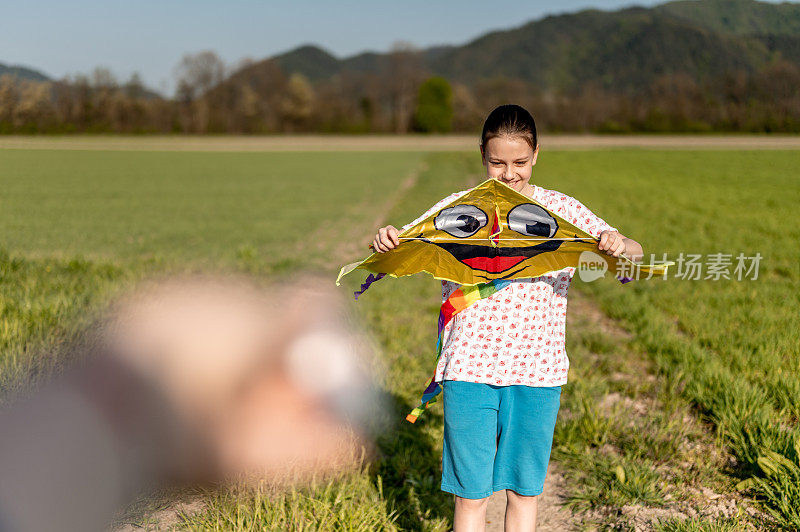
[
  {"x": 616, "y": 50},
  {"x": 619, "y": 50},
  {"x": 311, "y": 61},
  {"x": 738, "y": 17},
  {"x": 23, "y": 73}
]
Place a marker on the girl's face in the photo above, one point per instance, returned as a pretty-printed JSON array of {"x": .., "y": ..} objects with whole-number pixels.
[{"x": 509, "y": 160}]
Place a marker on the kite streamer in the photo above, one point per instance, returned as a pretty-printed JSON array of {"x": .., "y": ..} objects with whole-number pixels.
[
  {"x": 458, "y": 301},
  {"x": 371, "y": 278}
]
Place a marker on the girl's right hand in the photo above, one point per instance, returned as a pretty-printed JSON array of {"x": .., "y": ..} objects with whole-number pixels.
[{"x": 386, "y": 239}]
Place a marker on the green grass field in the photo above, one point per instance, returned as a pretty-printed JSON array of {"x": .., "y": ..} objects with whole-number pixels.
[{"x": 689, "y": 385}]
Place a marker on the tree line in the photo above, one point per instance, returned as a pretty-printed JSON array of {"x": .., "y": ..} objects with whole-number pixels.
[{"x": 262, "y": 98}]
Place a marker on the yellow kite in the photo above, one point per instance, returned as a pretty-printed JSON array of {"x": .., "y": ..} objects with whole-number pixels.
[{"x": 493, "y": 232}]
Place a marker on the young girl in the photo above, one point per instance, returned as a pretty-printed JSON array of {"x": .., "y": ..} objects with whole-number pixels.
[{"x": 500, "y": 405}]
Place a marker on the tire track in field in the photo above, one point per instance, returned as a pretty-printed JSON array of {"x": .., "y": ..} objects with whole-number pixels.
[
  {"x": 406, "y": 185},
  {"x": 354, "y": 244},
  {"x": 332, "y": 245}
]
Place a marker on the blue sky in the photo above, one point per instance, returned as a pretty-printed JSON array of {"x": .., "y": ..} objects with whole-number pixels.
[{"x": 65, "y": 37}]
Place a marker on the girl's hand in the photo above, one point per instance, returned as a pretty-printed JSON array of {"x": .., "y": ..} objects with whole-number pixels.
[
  {"x": 386, "y": 239},
  {"x": 612, "y": 243}
]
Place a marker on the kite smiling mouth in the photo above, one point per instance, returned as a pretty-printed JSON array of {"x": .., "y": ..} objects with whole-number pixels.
[{"x": 495, "y": 259}]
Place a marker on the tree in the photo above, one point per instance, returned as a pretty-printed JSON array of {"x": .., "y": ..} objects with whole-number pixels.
[
  {"x": 434, "y": 112},
  {"x": 467, "y": 114},
  {"x": 298, "y": 102},
  {"x": 9, "y": 96},
  {"x": 259, "y": 99},
  {"x": 403, "y": 77},
  {"x": 103, "y": 79},
  {"x": 198, "y": 73},
  {"x": 33, "y": 107},
  {"x": 134, "y": 87}
]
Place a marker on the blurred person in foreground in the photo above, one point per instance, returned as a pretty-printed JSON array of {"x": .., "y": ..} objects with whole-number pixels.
[{"x": 188, "y": 381}]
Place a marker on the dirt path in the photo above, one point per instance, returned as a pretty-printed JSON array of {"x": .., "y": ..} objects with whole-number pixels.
[
  {"x": 161, "y": 510},
  {"x": 553, "y": 516},
  {"x": 339, "y": 143}
]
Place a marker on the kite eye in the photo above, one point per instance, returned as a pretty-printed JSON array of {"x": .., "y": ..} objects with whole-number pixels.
[
  {"x": 532, "y": 220},
  {"x": 460, "y": 221}
]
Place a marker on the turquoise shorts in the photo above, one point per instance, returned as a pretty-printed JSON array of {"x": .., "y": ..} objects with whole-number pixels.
[{"x": 497, "y": 437}]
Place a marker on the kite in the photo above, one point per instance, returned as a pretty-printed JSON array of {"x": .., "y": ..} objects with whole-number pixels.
[
  {"x": 483, "y": 240},
  {"x": 493, "y": 232}
]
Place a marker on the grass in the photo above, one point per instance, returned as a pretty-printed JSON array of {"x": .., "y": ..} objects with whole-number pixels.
[
  {"x": 734, "y": 343},
  {"x": 697, "y": 389},
  {"x": 353, "y": 504},
  {"x": 734, "y": 524},
  {"x": 43, "y": 303},
  {"x": 281, "y": 208}
]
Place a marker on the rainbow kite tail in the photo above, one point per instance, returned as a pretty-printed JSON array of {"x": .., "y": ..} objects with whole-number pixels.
[
  {"x": 458, "y": 301},
  {"x": 428, "y": 398}
]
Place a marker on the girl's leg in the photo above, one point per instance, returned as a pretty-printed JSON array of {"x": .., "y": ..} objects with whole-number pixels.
[
  {"x": 521, "y": 512},
  {"x": 470, "y": 515},
  {"x": 469, "y": 447}
]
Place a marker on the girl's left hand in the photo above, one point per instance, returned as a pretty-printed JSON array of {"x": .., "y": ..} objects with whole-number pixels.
[{"x": 612, "y": 243}]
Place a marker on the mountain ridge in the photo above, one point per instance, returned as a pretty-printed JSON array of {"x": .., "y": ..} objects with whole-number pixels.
[
  {"x": 23, "y": 72},
  {"x": 617, "y": 50}
]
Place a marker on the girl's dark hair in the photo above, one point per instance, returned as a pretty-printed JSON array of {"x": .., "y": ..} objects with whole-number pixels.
[{"x": 511, "y": 121}]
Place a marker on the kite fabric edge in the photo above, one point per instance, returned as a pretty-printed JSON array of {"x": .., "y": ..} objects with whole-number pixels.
[
  {"x": 374, "y": 276},
  {"x": 490, "y": 191}
]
